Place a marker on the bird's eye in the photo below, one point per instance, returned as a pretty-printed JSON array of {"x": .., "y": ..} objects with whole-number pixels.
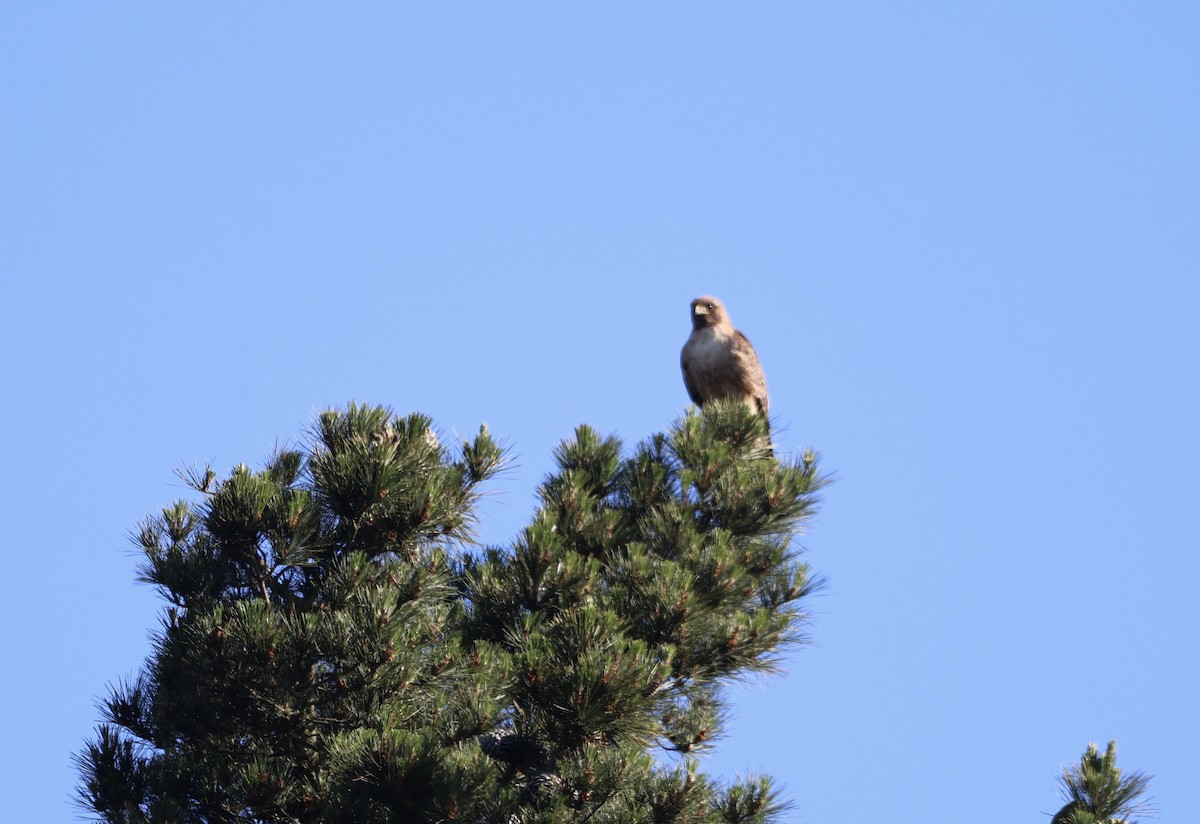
[{"x": 710, "y": 306}]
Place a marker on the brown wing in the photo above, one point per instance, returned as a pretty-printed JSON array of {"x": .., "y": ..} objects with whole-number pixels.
[
  {"x": 749, "y": 371},
  {"x": 689, "y": 379}
]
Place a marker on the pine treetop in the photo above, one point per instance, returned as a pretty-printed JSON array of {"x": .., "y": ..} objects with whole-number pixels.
[{"x": 336, "y": 647}]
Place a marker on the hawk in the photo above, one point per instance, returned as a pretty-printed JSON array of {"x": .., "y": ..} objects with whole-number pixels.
[{"x": 718, "y": 361}]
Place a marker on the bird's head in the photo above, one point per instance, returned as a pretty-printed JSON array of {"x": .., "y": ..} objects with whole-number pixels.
[{"x": 707, "y": 311}]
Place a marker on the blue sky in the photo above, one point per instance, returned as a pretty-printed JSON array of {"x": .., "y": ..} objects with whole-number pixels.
[{"x": 963, "y": 237}]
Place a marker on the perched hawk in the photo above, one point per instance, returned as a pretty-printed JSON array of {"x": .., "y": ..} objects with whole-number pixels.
[{"x": 719, "y": 362}]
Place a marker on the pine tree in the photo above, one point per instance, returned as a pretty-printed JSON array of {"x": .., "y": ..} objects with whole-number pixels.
[
  {"x": 1096, "y": 792},
  {"x": 336, "y": 649}
]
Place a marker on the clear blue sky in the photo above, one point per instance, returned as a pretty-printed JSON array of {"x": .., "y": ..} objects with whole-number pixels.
[{"x": 965, "y": 239}]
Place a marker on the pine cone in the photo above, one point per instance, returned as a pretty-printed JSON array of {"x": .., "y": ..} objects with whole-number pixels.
[
  {"x": 502, "y": 745},
  {"x": 519, "y": 751},
  {"x": 546, "y": 781},
  {"x": 543, "y": 785}
]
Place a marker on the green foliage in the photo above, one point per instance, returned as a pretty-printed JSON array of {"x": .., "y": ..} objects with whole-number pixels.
[
  {"x": 1097, "y": 793},
  {"x": 335, "y": 648}
]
